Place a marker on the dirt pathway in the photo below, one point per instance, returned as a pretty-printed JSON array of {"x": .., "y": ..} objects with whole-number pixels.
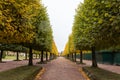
[
  {"x": 61, "y": 69},
  {"x": 111, "y": 68}
]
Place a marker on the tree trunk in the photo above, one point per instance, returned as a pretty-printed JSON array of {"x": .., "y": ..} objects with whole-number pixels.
[
  {"x": 41, "y": 56},
  {"x": 113, "y": 56},
  {"x": 94, "y": 61},
  {"x": 17, "y": 56},
  {"x": 68, "y": 56},
  {"x": 1, "y": 54},
  {"x": 81, "y": 56},
  {"x": 75, "y": 56},
  {"x": 46, "y": 56},
  {"x": 50, "y": 56},
  {"x": 30, "y": 57},
  {"x": 72, "y": 56}
]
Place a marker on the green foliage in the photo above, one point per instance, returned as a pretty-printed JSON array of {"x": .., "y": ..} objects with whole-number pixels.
[
  {"x": 25, "y": 22},
  {"x": 13, "y": 47},
  {"x": 43, "y": 33},
  {"x": 96, "y": 23},
  {"x": 69, "y": 47},
  {"x": 15, "y": 21}
]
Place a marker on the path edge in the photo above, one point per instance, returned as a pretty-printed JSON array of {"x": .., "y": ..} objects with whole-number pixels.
[
  {"x": 84, "y": 74},
  {"x": 38, "y": 76}
]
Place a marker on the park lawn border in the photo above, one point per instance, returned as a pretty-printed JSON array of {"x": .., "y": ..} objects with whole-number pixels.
[
  {"x": 38, "y": 76},
  {"x": 100, "y": 74},
  {"x": 84, "y": 74},
  {"x": 21, "y": 73}
]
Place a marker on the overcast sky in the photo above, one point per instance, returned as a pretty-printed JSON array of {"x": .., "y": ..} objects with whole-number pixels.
[{"x": 61, "y": 14}]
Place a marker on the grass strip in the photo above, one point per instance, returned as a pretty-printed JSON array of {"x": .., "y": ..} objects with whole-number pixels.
[
  {"x": 100, "y": 74},
  {"x": 20, "y": 73}
]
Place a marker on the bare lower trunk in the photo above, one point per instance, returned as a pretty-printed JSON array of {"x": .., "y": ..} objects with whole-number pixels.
[
  {"x": 17, "y": 56},
  {"x": 30, "y": 57},
  {"x": 75, "y": 56},
  {"x": 41, "y": 56},
  {"x": 72, "y": 56},
  {"x": 94, "y": 61},
  {"x": 1, "y": 54},
  {"x": 81, "y": 57},
  {"x": 46, "y": 56}
]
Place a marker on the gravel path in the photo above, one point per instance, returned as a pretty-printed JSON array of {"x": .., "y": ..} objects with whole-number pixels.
[
  {"x": 61, "y": 69},
  {"x": 112, "y": 68}
]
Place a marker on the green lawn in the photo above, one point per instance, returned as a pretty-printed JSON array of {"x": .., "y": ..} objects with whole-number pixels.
[
  {"x": 13, "y": 58},
  {"x": 100, "y": 74},
  {"x": 20, "y": 73}
]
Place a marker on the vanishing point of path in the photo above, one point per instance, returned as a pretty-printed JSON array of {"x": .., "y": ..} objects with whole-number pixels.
[{"x": 61, "y": 69}]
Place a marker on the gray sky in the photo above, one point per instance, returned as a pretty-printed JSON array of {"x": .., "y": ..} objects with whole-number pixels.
[{"x": 61, "y": 14}]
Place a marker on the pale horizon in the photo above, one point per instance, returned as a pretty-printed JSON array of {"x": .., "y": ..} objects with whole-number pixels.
[{"x": 61, "y": 14}]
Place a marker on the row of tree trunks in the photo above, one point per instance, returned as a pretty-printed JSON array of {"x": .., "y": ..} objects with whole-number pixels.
[
  {"x": 74, "y": 57},
  {"x": 94, "y": 61},
  {"x": 52, "y": 56},
  {"x": 1, "y": 54},
  {"x": 30, "y": 63},
  {"x": 17, "y": 56}
]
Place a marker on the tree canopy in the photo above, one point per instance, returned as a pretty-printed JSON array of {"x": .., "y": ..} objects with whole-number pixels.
[
  {"x": 25, "y": 22},
  {"x": 15, "y": 20},
  {"x": 96, "y": 23}
]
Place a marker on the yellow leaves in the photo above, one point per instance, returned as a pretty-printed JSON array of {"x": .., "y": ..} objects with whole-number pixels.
[
  {"x": 66, "y": 49},
  {"x": 17, "y": 18},
  {"x": 77, "y": 51},
  {"x": 112, "y": 18},
  {"x": 0, "y": 6},
  {"x": 54, "y": 48},
  {"x": 69, "y": 47},
  {"x": 106, "y": 15},
  {"x": 100, "y": 21},
  {"x": 9, "y": 20},
  {"x": 96, "y": 14},
  {"x": 12, "y": 1},
  {"x": 9, "y": 30},
  {"x": 0, "y": 13}
]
